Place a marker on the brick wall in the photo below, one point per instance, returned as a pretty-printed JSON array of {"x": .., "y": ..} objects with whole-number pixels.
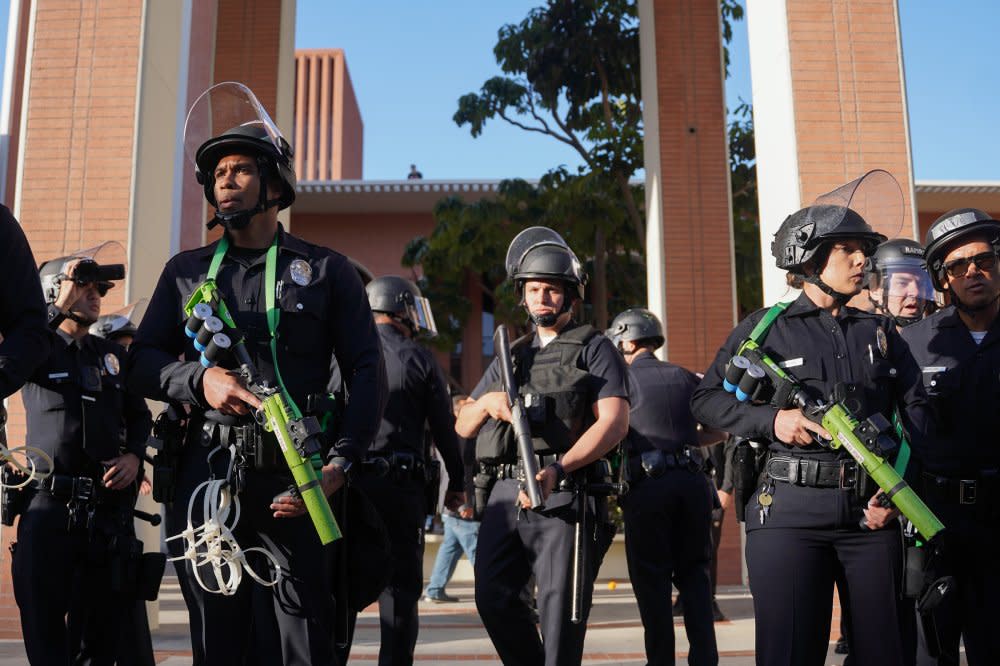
[
  {"x": 848, "y": 90},
  {"x": 76, "y": 180}
]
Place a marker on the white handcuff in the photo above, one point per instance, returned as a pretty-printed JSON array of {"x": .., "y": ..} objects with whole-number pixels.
[{"x": 212, "y": 544}]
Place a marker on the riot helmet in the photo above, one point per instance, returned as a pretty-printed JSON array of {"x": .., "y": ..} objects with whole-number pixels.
[
  {"x": 636, "y": 324},
  {"x": 227, "y": 119},
  {"x": 955, "y": 225},
  {"x": 401, "y": 299},
  {"x": 899, "y": 286},
  {"x": 120, "y": 323},
  {"x": 101, "y": 266},
  {"x": 539, "y": 253},
  {"x": 806, "y": 236}
]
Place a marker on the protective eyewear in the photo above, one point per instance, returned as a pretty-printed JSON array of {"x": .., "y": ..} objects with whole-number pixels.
[{"x": 959, "y": 267}]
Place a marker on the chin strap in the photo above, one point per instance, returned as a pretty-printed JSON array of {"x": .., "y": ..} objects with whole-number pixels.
[
  {"x": 828, "y": 290},
  {"x": 240, "y": 219}
]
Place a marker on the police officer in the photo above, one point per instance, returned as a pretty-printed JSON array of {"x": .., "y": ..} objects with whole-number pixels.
[
  {"x": 576, "y": 381},
  {"x": 802, "y": 523},
  {"x": 417, "y": 394},
  {"x": 668, "y": 508},
  {"x": 24, "y": 339},
  {"x": 75, "y": 537},
  {"x": 958, "y": 351},
  {"x": 319, "y": 317},
  {"x": 899, "y": 286}
]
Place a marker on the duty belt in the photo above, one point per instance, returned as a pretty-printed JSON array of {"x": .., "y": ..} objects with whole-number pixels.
[
  {"x": 654, "y": 463},
  {"x": 398, "y": 466},
  {"x": 515, "y": 470},
  {"x": 72, "y": 488},
  {"x": 841, "y": 474},
  {"x": 957, "y": 490}
]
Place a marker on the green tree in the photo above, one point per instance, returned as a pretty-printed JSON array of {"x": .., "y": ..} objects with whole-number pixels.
[{"x": 746, "y": 220}]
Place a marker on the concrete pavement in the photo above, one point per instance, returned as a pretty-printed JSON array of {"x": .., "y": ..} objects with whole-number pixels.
[{"x": 453, "y": 634}]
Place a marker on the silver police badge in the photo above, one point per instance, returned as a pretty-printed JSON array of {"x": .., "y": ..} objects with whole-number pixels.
[
  {"x": 111, "y": 364},
  {"x": 883, "y": 343},
  {"x": 301, "y": 271}
]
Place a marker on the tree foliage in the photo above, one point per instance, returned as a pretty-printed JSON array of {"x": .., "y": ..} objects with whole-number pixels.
[{"x": 571, "y": 73}]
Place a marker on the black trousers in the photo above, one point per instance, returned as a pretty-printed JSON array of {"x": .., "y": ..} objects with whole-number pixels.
[
  {"x": 668, "y": 523},
  {"x": 290, "y": 623},
  {"x": 513, "y": 545},
  {"x": 402, "y": 506},
  {"x": 64, "y": 578},
  {"x": 971, "y": 614},
  {"x": 792, "y": 571}
]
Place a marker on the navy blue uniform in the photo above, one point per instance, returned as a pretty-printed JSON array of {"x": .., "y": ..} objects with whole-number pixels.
[
  {"x": 960, "y": 474},
  {"x": 79, "y": 413},
  {"x": 325, "y": 324},
  {"x": 667, "y": 511},
  {"x": 26, "y": 339},
  {"x": 811, "y": 528},
  {"x": 417, "y": 395},
  {"x": 514, "y": 544}
]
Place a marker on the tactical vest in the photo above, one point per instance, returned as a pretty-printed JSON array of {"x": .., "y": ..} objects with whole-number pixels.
[{"x": 556, "y": 397}]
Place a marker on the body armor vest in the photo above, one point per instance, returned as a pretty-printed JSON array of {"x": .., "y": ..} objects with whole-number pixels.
[{"x": 556, "y": 397}]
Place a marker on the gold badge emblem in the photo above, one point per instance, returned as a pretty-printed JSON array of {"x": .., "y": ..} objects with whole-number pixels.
[
  {"x": 301, "y": 271},
  {"x": 883, "y": 342},
  {"x": 111, "y": 364}
]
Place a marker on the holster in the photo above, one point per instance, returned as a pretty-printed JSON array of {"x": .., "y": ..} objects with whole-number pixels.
[
  {"x": 168, "y": 439},
  {"x": 134, "y": 573},
  {"x": 432, "y": 483},
  {"x": 748, "y": 463},
  {"x": 13, "y": 501},
  {"x": 482, "y": 483}
]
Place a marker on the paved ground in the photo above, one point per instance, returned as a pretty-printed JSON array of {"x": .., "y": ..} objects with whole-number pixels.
[{"x": 453, "y": 634}]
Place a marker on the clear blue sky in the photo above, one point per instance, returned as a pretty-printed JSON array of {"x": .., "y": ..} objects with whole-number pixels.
[{"x": 410, "y": 62}]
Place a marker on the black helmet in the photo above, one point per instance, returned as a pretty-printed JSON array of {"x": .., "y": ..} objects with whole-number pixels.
[
  {"x": 228, "y": 119},
  {"x": 804, "y": 232},
  {"x": 636, "y": 324},
  {"x": 952, "y": 226},
  {"x": 250, "y": 139},
  {"x": 539, "y": 253},
  {"x": 401, "y": 299},
  {"x": 121, "y": 322},
  {"x": 906, "y": 257},
  {"x": 100, "y": 265}
]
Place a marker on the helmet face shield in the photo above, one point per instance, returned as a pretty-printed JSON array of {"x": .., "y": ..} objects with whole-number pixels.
[
  {"x": 223, "y": 107},
  {"x": 120, "y": 322},
  {"x": 422, "y": 316},
  {"x": 99, "y": 265},
  {"x": 875, "y": 196},
  {"x": 541, "y": 253}
]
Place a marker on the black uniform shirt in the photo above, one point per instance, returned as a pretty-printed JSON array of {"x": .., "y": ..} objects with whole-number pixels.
[
  {"x": 599, "y": 358},
  {"x": 660, "y": 413},
  {"x": 819, "y": 351},
  {"x": 417, "y": 394},
  {"x": 26, "y": 338},
  {"x": 325, "y": 322},
  {"x": 963, "y": 382},
  {"x": 78, "y": 410}
]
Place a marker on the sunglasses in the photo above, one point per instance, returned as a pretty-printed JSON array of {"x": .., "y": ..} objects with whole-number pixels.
[
  {"x": 959, "y": 267},
  {"x": 102, "y": 287}
]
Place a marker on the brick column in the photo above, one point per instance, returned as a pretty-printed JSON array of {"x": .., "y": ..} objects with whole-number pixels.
[
  {"x": 831, "y": 70},
  {"x": 689, "y": 239}
]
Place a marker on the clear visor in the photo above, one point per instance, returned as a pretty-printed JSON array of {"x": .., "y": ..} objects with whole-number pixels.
[
  {"x": 221, "y": 108},
  {"x": 529, "y": 239},
  {"x": 875, "y": 196},
  {"x": 421, "y": 314},
  {"x": 105, "y": 254},
  {"x": 907, "y": 282}
]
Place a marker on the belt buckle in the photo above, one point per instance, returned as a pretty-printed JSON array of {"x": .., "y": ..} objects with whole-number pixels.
[
  {"x": 848, "y": 479},
  {"x": 83, "y": 488},
  {"x": 967, "y": 491}
]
